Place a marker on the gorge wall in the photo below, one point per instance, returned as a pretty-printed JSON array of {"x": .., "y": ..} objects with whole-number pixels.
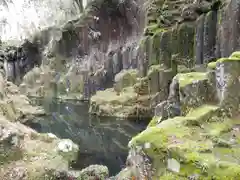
[{"x": 174, "y": 60}]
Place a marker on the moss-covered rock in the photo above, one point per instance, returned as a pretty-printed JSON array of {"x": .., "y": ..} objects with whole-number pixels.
[
  {"x": 127, "y": 104},
  {"x": 193, "y": 90},
  {"x": 125, "y": 78},
  {"x": 94, "y": 172},
  {"x": 227, "y": 82},
  {"x": 26, "y": 153},
  {"x": 128, "y": 98},
  {"x": 16, "y": 107},
  {"x": 132, "y": 96},
  {"x": 192, "y": 146}
]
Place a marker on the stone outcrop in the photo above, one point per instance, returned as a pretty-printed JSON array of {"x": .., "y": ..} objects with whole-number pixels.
[
  {"x": 202, "y": 141},
  {"x": 25, "y": 154},
  {"x": 16, "y": 106},
  {"x": 180, "y": 36},
  {"x": 132, "y": 96},
  {"x": 92, "y": 48}
]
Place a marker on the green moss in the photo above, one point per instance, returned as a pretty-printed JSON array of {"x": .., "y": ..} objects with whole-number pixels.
[
  {"x": 152, "y": 27},
  {"x": 227, "y": 171},
  {"x": 196, "y": 155},
  {"x": 166, "y": 129},
  {"x": 154, "y": 30},
  {"x": 221, "y": 60},
  {"x": 155, "y": 68},
  {"x": 8, "y": 155},
  {"x": 159, "y": 31},
  {"x": 217, "y": 128},
  {"x": 235, "y": 55},
  {"x": 172, "y": 176},
  {"x": 153, "y": 122},
  {"x": 203, "y": 113},
  {"x": 188, "y": 78},
  {"x": 212, "y": 65}
]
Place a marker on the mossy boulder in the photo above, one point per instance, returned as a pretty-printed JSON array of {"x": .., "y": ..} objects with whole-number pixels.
[
  {"x": 125, "y": 78},
  {"x": 133, "y": 96},
  {"x": 125, "y": 104},
  {"x": 192, "y": 146},
  {"x": 224, "y": 75},
  {"x": 192, "y": 89},
  {"x": 227, "y": 79},
  {"x": 27, "y": 154},
  {"x": 94, "y": 172},
  {"x": 16, "y": 107},
  {"x": 129, "y": 98}
]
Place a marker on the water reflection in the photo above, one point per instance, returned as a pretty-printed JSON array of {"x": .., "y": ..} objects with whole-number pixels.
[{"x": 101, "y": 140}]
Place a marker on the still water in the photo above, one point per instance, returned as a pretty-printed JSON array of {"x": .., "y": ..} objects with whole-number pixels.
[{"x": 101, "y": 140}]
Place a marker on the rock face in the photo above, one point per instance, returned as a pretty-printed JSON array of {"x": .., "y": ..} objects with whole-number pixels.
[
  {"x": 178, "y": 35},
  {"x": 181, "y": 70},
  {"x": 92, "y": 48},
  {"x": 17, "y": 61}
]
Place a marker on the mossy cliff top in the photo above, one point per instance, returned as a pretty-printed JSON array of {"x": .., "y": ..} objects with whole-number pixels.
[
  {"x": 188, "y": 78},
  {"x": 162, "y": 14},
  {"x": 235, "y": 56}
]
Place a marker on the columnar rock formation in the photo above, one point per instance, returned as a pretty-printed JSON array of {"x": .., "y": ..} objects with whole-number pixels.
[
  {"x": 179, "y": 37},
  {"x": 175, "y": 61}
]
